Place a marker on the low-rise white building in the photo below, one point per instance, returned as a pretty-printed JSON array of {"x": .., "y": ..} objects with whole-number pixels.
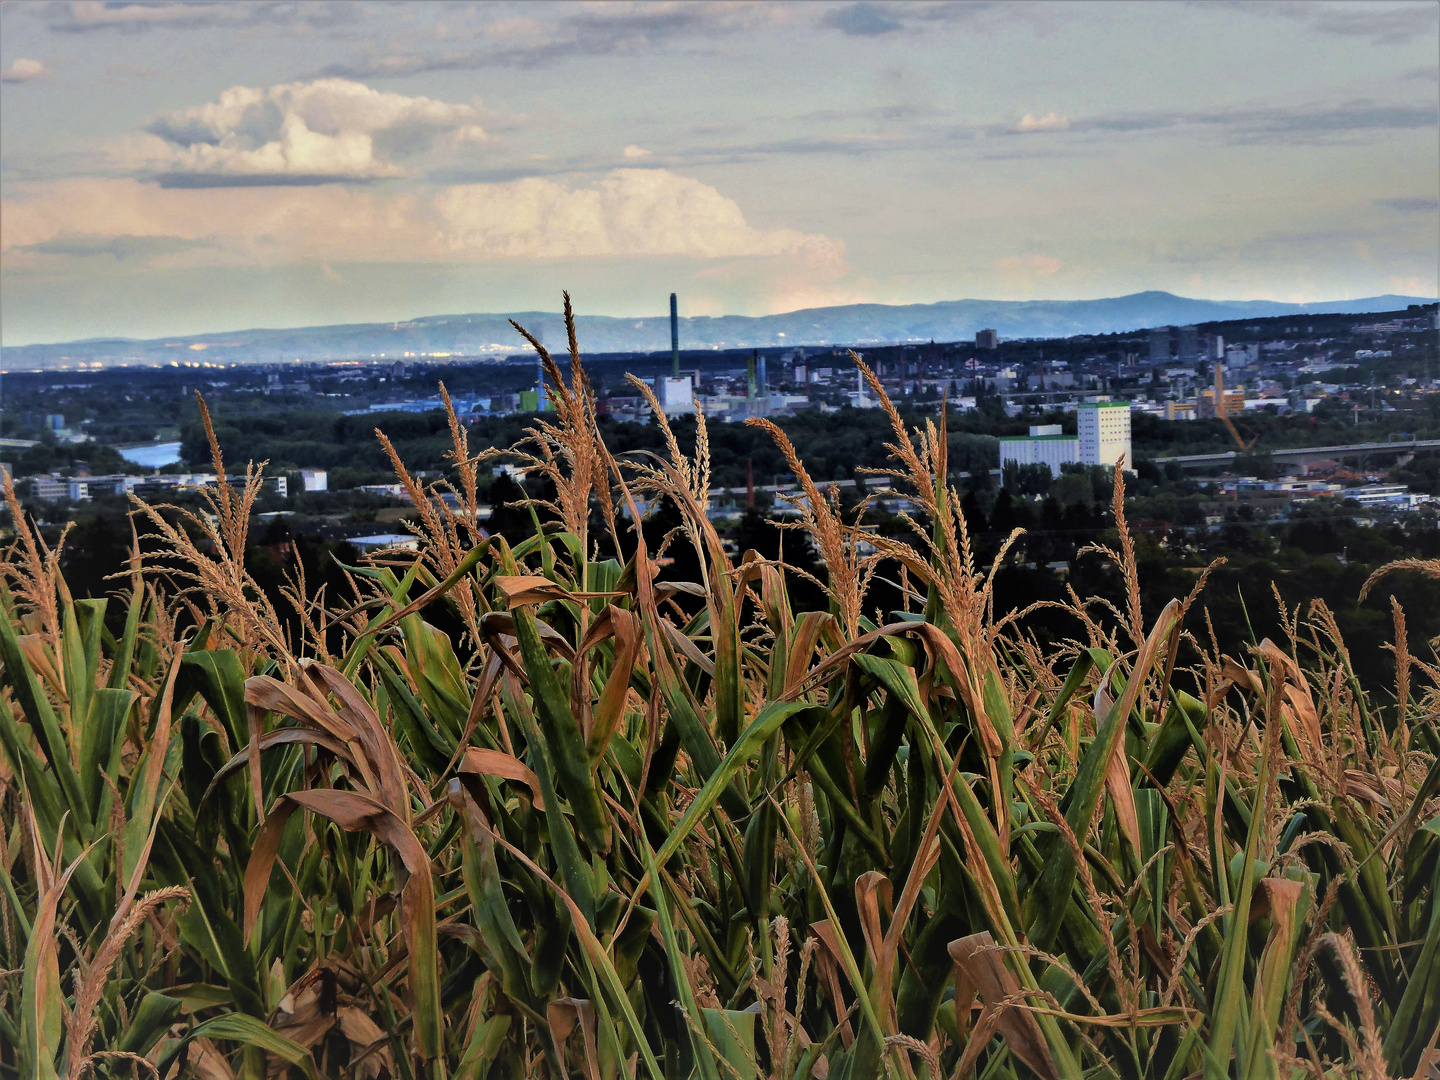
[
  {"x": 677, "y": 396},
  {"x": 385, "y": 542},
  {"x": 48, "y": 488},
  {"x": 1045, "y": 445}
]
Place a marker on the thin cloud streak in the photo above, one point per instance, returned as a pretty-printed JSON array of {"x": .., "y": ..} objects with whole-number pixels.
[
  {"x": 91, "y": 16},
  {"x": 1396, "y": 25}
]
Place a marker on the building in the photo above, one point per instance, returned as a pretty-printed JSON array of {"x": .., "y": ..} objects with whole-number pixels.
[
  {"x": 116, "y": 484},
  {"x": 1159, "y": 344},
  {"x": 52, "y": 488},
  {"x": 1397, "y": 496},
  {"x": 676, "y": 396},
  {"x": 1234, "y": 402},
  {"x": 314, "y": 480},
  {"x": 1104, "y": 432},
  {"x": 1188, "y": 343},
  {"x": 1045, "y": 445},
  {"x": 385, "y": 542},
  {"x": 48, "y": 488},
  {"x": 1179, "y": 410},
  {"x": 987, "y": 339}
]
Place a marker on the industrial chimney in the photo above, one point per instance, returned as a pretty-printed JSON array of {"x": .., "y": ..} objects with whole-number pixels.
[{"x": 674, "y": 338}]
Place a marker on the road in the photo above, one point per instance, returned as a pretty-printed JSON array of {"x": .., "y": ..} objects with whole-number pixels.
[{"x": 1306, "y": 454}]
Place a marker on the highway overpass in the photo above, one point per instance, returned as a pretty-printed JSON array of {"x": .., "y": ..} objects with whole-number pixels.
[{"x": 1305, "y": 456}]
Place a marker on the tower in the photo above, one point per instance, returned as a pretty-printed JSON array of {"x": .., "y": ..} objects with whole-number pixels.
[{"x": 674, "y": 338}]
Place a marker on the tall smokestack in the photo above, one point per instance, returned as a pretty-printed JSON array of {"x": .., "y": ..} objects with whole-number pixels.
[
  {"x": 760, "y": 377},
  {"x": 674, "y": 337},
  {"x": 750, "y": 377}
]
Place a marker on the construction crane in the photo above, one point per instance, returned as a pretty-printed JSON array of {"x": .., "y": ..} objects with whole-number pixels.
[{"x": 1245, "y": 447}]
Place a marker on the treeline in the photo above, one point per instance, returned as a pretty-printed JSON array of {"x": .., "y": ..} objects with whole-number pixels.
[
  {"x": 832, "y": 445},
  {"x": 1320, "y": 554},
  {"x": 1332, "y": 423}
]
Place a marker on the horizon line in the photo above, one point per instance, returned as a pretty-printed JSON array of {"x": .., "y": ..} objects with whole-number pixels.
[{"x": 664, "y": 316}]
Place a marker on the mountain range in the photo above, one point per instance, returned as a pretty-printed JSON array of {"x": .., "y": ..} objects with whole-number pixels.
[{"x": 490, "y": 335}]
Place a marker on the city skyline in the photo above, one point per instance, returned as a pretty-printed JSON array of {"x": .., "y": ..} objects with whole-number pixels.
[{"x": 176, "y": 168}]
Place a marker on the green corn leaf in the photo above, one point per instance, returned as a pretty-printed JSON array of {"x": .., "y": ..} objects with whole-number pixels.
[
  {"x": 1418, "y": 1011},
  {"x": 124, "y": 656},
  {"x": 238, "y": 1027},
  {"x": 760, "y": 730},
  {"x": 45, "y": 726},
  {"x": 219, "y": 678},
  {"x": 564, "y": 742},
  {"x": 573, "y": 869},
  {"x": 1085, "y": 793},
  {"x": 101, "y": 748},
  {"x": 154, "y": 1015},
  {"x": 732, "y": 1033}
]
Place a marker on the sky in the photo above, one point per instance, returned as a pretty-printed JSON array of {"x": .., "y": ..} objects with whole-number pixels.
[{"x": 170, "y": 167}]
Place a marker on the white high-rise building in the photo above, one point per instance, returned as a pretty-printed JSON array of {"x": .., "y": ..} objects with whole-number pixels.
[{"x": 1104, "y": 427}]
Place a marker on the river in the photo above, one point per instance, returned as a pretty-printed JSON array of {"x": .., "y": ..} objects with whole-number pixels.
[{"x": 151, "y": 455}]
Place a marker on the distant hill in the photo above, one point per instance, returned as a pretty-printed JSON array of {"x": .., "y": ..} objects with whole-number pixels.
[{"x": 852, "y": 324}]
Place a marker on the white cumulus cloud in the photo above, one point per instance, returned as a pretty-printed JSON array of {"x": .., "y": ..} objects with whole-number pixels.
[
  {"x": 303, "y": 132},
  {"x": 628, "y": 213},
  {"x": 634, "y": 152},
  {"x": 23, "y": 70},
  {"x": 1049, "y": 122}
]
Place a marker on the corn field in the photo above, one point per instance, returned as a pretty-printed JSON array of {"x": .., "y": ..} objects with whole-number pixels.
[{"x": 612, "y": 824}]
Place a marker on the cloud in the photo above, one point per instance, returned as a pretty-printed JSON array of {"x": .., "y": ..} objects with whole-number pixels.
[
  {"x": 613, "y": 29},
  {"x": 82, "y": 16},
  {"x": 1311, "y": 123},
  {"x": 1324, "y": 122},
  {"x": 627, "y": 214},
  {"x": 1412, "y": 286},
  {"x": 299, "y": 133},
  {"x": 1028, "y": 266},
  {"x": 632, "y": 212},
  {"x": 1397, "y": 24},
  {"x": 118, "y": 247},
  {"x": 23, "y": 70},
  {"x": 1424, "y": 204},
  {"x": 1049, "y": 122},
  {"x": 861, "y": 19},
  {"x": 547, "y": 35},
  {"x": 635, "y": 152},
  {"x": 869, "y": 18}
]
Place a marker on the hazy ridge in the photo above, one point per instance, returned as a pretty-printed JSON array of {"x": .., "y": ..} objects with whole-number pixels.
[{"x": 851, "y": 324}]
